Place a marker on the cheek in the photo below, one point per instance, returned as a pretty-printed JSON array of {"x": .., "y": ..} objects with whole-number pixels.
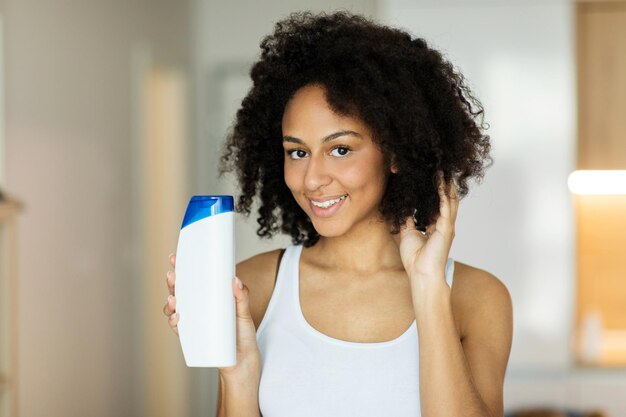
[
  {"x": 366, "y": 174},
  {"x": 354, "y": 177},
  {"x": 290, "y": 175}
]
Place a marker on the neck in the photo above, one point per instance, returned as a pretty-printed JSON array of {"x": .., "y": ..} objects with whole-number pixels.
[{"x": 364, "y": 251}]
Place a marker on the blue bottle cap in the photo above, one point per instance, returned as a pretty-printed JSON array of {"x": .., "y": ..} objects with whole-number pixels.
[{"x": 202, "y": 206}]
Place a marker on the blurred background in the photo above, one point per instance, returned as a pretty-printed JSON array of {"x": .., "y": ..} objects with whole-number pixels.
[{"x": 112, "y": 115}]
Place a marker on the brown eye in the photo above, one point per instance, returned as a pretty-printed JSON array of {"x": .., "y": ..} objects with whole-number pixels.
[
  {"x": 341, "y": 150},
  {"x": 299, "y": 154}
]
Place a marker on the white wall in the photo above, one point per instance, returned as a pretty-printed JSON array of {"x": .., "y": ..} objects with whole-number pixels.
[
  {"x": 68, "y": 158},
  {"x": 519, "y": 58}
]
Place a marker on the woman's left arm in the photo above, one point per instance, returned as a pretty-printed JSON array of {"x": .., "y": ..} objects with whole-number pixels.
[
  {"x": 457, "y": 377},
  {"x": 464, "y": 377}
]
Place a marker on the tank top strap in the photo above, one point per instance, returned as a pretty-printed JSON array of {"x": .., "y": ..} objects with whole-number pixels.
[
  {"x": 449, "y": 272},
  {"x": 282, "y": 281}
]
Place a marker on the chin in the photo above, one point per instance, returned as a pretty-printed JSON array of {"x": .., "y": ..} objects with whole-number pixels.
[{"x": 328, "y": 229}]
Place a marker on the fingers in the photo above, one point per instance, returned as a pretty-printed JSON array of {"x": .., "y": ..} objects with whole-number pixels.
[
  {"x": 170, "y": 306},
  {"x": 169, "y": 309},
  {"x": 430, "y": 229},
  {"x": 410, "y": 234},
  {"x": 448, "y": 197},
  {"x": 170, "y": 278},
  {"x": 173, "y": 322},
  {"x": 454, "y": 201},
  {"x": 444, "y": 201},
  {"x": 242, "y": 299}
]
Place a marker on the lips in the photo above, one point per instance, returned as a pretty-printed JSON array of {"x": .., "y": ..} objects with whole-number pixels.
[
  {"x": 325, "y": 203},
  {"x": 328, "y": 208}
]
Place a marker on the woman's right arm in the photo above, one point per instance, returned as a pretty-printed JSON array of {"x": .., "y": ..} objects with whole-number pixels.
[
  {"x": 238, "y": 387},
  {"x": 238, "y": 399}
]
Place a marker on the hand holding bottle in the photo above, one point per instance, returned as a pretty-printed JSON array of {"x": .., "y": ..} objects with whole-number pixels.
[{"x": 248, "y": 355}]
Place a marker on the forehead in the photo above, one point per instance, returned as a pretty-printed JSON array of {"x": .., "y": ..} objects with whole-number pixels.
[{"x": 308, "y": 111}]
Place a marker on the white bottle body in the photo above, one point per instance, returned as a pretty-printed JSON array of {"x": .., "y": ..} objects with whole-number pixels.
[{"x": 205, "y": 267}]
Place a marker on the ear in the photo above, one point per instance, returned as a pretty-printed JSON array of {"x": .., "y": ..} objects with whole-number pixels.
[{"x": 394, "y": 167}]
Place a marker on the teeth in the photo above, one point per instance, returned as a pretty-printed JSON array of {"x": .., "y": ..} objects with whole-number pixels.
[{"x": 328, "y": 203}]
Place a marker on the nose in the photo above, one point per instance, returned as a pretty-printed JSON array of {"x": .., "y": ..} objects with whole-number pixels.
[{"x": 316, "y": 175}]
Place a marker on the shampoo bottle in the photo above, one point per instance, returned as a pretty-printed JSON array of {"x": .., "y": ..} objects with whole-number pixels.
[{"x": 205, "y": 267}]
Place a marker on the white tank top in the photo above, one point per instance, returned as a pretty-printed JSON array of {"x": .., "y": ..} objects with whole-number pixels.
[{"x": 306, "y": 373}]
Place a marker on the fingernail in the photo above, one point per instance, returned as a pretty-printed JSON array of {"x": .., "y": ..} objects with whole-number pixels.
[
  {"x": 169, "y": 274},
  {"x": 239, "y": 283},
  {"x": 169, "y": 299},
  {"x": 173, "y": 316}
]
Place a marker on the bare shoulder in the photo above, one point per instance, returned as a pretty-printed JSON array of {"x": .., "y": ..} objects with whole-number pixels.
[
  {"x": 258, "y": 273},
  {"x": 476, "y": 294}
]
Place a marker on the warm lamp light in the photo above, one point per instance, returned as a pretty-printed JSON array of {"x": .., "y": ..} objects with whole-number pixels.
[{"x": 597, "y": 182}]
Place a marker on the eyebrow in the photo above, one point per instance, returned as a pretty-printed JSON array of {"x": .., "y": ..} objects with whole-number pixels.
[{"x": 326, "y": 138}]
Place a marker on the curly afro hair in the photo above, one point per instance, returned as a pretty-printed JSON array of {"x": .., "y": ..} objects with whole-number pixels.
[{"x": 421, "y": 114}]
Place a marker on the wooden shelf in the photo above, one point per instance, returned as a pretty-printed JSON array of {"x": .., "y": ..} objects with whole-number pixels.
[{"x": 600, "y": 325}]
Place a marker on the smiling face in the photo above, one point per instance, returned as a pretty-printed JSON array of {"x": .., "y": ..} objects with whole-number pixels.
[{"x": 334, "y": 170}]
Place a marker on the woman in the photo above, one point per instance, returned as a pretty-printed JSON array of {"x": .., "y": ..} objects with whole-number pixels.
[{"x": 352, "y": 135}]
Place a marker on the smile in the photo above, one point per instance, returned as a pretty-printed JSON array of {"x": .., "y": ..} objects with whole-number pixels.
[{"x": 328, "y": 203}]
